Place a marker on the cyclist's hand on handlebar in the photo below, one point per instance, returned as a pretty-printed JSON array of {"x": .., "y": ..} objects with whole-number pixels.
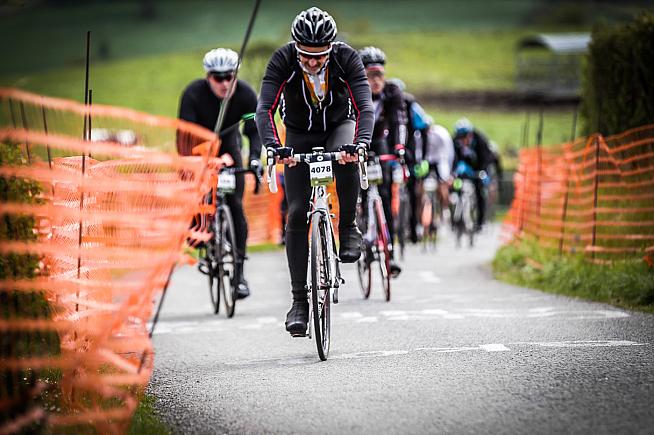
[
  {"x": 257, "y": 167},
  {"x": 283, "y": 155},
  {"x": 350, "y": 153}
]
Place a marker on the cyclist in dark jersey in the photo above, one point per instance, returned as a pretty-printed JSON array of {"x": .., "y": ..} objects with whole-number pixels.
[
  {"x": 320, "y": 89},
  {"x": 390, "y": 130},
  {"x": 200, "y": 103},
  {"x": 418, "y": 123},
  {"x": 471, "y": 146}
]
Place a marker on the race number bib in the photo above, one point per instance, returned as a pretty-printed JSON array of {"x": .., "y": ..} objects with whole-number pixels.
[
  {"x": 226, "y": 182},
  {"x": 374, "y": 173},
  {"x": 321, "y": 173}
]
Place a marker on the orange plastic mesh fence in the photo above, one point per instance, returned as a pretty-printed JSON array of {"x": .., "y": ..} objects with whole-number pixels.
[
  {"x": 594, "y": 196},
  {"x": 109, "y": 202}
]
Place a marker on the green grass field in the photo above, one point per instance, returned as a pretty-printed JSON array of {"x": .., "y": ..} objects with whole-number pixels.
[{"x": 56, "y": 30}]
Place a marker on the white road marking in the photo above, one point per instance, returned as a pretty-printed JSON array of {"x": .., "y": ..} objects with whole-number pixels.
[
  {"x": 367, "y": 320},
  {"x": 351, "y": 315},
  {"x": 494, "y": 347},
  {"x": 584, "y": 343},
  {"x": 491, "y": 347},
  {"x": 392, "y": 313},
  {"x": 429, "y": 276},
  {"x": 267, "y": 320}
]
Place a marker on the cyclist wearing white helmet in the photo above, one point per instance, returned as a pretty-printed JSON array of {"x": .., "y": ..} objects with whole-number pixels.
[
  {"x": 471, "y": 146},
  {"x": 390, "y": 130},
  {"x": 200, "y": 103},
  {"x": 320, "y": 89}
]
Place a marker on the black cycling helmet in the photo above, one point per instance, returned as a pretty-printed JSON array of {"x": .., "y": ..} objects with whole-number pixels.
[
  {"x": 314, "y": 28},
  {"x": 372, "y": 56}
]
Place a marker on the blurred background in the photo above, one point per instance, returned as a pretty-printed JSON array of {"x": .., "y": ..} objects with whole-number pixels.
[{"x": 488, "y": 60}]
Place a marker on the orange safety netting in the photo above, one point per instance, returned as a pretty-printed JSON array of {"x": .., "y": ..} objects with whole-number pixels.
[
  {"x": 112, "y": 211},
  {"x": 593, "y": 196}
]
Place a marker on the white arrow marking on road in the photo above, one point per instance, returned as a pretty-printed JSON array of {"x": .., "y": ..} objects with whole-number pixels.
[
  {"x": 494, "y": 347},
  {"x": 429, "y": 276},
  {"x": 446, "y": 349}
]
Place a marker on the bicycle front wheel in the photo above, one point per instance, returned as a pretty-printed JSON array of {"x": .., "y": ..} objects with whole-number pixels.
[
  {"x": 383, "y": 248},
  {"x": 228, "y": 260},
  {"x": 320, "y": 285},
  {"x": 212, "y": 274}
]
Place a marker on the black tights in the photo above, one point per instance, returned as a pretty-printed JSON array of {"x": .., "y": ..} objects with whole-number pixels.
[{"x": 298, "y": 193}]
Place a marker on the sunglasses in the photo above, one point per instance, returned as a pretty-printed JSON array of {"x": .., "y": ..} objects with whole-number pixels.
[
  {"x": 309, "y": 55},
  {"x": 374, "y": 74},
  {"x": 219, "y": 78}
]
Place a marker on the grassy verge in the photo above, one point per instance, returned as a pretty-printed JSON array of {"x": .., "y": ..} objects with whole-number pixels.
[
  {"x": 625, "y": 284},
  {"x": 145, "y": 420}
]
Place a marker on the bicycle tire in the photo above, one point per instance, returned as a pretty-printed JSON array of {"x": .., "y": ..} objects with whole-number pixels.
[
  {"x": 403, "y": 220},
  {"x": 320, "y": 286},
  {"x": 364, "y": 271},
  {"x": 228, "y": 256},
  {"x": 383, "y": 249},
  {"x": 212, "y": 275}
]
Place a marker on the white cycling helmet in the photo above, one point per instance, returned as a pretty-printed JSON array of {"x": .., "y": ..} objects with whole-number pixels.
[
  {"x": 220, "y": 60},
  {"x": 462, "y": 127}
]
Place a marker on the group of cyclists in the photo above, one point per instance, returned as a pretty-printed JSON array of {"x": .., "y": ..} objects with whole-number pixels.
[{"x": 329, "y": 95}]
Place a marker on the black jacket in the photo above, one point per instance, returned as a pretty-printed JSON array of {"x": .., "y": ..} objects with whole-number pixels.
[
  {"x": 390, "y": 119},
  {"x": 201, "y": 106},
  {"x": 348, "y": 95}
]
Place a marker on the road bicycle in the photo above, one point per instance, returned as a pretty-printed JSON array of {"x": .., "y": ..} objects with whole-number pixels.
[
  {"x": 372, "y": 222},
  {"x": 432, "y": 212},
  {"x": 463, "y": 202},
  {"x": 400, "y": 175},
  {"x": 325, "y": 278},
  {"x": 219, "y": 258}
]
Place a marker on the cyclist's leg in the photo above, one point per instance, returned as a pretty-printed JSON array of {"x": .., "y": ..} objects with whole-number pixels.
[
  {"x": 481, "y": 203},
  {"x": 385, "y": 191},
  {"x": 413, "y": 207},
  {"x": 298, "y": 194},
  {"x": 235, "y": 203},
  {"x": 347, "y": 188}
]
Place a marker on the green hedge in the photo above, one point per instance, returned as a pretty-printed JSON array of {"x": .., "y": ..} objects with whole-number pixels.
[
  {"x": 16, "y": 385},
  {"x": 618, "y": 91}
]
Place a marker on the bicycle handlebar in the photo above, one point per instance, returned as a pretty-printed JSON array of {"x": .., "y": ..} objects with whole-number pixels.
[
  {"x": 271, "y": 161},
  {"x": 238, "y": 171}
]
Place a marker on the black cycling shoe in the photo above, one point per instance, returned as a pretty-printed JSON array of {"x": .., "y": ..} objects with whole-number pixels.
[
  {"x": 243, "y": 290},
  {"x": 297, "y": 318},
  {"x": 350, "y": 238},
  {"x": 395, "y": 269}
]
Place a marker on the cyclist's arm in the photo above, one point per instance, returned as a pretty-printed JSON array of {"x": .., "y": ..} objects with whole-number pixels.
[
  {"x": 187, "y": 112},
  {"x": 272, "y": 87},
  {"x": 250, "y": 127},
  {"x": 359, "y": 90}
]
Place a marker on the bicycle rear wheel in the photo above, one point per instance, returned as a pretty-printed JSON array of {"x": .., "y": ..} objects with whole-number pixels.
[
  {"x": 383, "y": 248},
  {"x": 228, "y": 261},
  {"x": 320, "y": 285}
]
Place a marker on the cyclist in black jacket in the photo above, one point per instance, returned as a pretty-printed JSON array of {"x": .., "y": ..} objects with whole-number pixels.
[
  {"x": 319, "y": 87},
  {"x": 390, "y": 130},
  {"x": 201, "y": 103},
  {"x": 471, "y": 146}
]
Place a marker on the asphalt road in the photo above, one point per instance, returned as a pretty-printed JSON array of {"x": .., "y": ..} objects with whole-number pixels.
[{"x": 453, "y": 352}]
